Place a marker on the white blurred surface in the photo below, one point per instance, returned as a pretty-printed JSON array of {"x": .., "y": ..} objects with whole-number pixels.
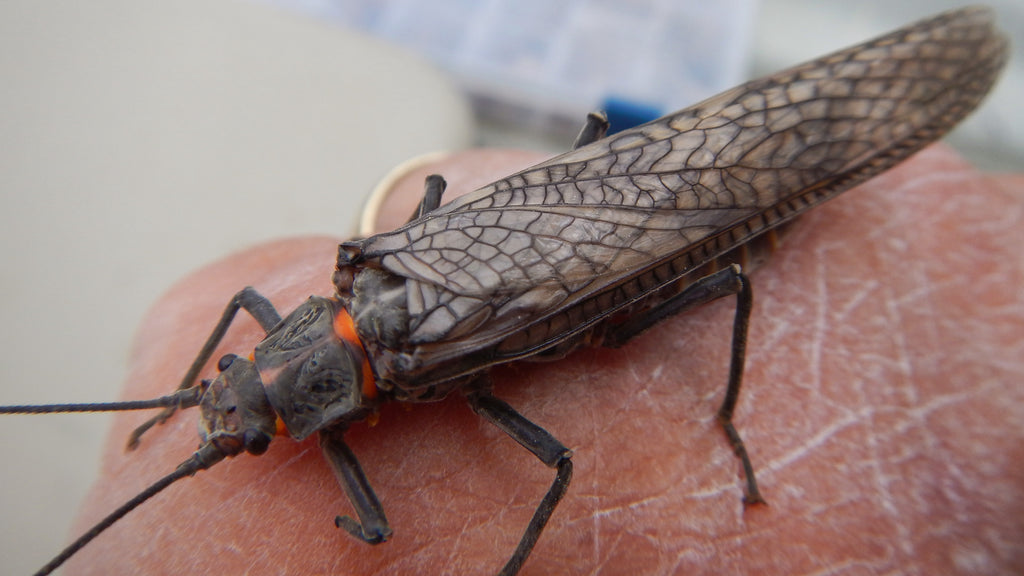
[{"x": 138, "y": 141}]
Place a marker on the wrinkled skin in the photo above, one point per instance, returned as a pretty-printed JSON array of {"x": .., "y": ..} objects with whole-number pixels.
[{"x": 882, "y": 409}]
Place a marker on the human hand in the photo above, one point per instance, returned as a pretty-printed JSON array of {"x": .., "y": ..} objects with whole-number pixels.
[{"x": 882, "y": 408}]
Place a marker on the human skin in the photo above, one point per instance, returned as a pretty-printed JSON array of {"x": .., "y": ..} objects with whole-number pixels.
[{"x": 882, "y": 407}]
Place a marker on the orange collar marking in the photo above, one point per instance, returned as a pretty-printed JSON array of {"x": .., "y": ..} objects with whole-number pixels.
[{"x": 346, "y": 330}]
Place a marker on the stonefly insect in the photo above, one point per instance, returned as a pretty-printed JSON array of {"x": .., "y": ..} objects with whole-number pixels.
[{"x": 589, "y": 248}]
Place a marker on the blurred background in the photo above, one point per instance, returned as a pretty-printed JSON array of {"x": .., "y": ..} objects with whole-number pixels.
[
  {"x": 142, "y": 139},
  {"x": 532, "y": 69}
]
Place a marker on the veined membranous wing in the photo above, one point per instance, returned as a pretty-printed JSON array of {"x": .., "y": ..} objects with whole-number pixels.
[{"x": 601, "y": 227}]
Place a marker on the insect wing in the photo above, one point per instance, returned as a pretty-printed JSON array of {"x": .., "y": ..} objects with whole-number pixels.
[{"x": 682, "y": 189}]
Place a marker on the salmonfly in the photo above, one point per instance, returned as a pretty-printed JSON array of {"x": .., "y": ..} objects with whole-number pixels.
[{"x": 589, "y": 248}]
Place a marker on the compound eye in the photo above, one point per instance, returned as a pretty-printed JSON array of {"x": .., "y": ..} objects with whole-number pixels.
[
  {"x": 256, "y": 442},
  {"x": 225, "y": 361}
]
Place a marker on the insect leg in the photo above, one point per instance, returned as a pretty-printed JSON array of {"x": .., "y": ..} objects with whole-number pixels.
[
  {"x": 593, "y": 130},
  {"x": 725, "y": 282},
  {"x": 546, "y": 448},
  {"x": 433, "y": 188},
  {"x": 252, "y": 302},
  {"x": 372, "y": 526}
]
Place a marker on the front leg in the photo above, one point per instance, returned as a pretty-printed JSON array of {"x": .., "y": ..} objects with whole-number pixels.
[{"x": 372, "y": 526}]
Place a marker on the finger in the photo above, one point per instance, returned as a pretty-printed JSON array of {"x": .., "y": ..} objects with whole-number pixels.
[{"x": 864, "y": 408}]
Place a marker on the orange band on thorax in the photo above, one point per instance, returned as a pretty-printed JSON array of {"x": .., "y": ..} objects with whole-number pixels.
[{"x": 345, "y": 329}]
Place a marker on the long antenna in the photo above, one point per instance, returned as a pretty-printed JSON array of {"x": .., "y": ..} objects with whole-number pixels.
[
  {"x": 185, "y": 398},
  {"x": 206, "y": 456},
  {"x": 201, "y": 459}
]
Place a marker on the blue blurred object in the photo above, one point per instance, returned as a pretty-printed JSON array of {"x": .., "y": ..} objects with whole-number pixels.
[{"x": 623, "y": 113}]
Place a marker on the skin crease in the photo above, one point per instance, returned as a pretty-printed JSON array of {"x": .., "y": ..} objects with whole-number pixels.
[{"x": 882, "y": 408}]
